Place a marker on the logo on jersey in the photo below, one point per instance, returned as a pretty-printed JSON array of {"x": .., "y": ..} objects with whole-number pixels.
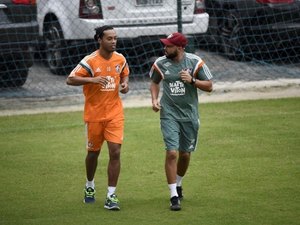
[
  {"x": 177, "y": 88},
  {"x": 111, "y": 84},
  {"x": 189, "y": 70},
  {"x": 118, "y": 69},
  {"x": 167, "y": 64}
]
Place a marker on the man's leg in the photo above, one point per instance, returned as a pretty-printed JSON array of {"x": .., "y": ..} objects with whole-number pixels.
[
  {"x": 113, "y": 172},
  {"x": 91, "y": 162},
  {"x": 171, "y": 169},
  {"x": 182, "y": 166},
  {"x": 183, "y": 163},
  {"x": 114, "y": 164},
  {"x": 170, "y": 166}
]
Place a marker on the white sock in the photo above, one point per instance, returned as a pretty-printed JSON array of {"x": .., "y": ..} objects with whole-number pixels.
[
  {"x": 179, "y": 180},
  {"x": 110, "y": 191},
  {"x": 173, "y": 191},
  {"x": 90, "y": 183}
]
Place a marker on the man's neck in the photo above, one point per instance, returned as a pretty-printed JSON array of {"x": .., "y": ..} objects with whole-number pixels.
[
  {"x": 105, "y": 54},
  {"x": 179, "y": 57}
]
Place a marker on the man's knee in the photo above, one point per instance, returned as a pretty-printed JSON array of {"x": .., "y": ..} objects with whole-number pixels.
[
  {"x": 114, "y": 151},
  {"x": 93, "y": 154}
]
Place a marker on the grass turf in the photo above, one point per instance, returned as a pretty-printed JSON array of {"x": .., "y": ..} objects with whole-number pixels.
[{"x": 245, "y": 171}]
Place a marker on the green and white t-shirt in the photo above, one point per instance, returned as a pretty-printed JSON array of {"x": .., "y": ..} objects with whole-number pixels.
[{"x": 179, "y": 100}]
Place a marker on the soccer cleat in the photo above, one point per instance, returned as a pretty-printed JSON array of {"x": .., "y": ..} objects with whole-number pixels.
[
  {"x": 179, "y": 192},
  {"x": 89, "y": 195},
  {"x": 112, "y": 203},
  {"x": 175, "y": 203}
]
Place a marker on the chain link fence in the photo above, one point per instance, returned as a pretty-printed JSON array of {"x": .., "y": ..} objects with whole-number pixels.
[{"x": 42, "y": 41}]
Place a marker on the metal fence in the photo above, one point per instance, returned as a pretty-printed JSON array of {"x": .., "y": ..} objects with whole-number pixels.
[{"x": 253, "y": 41}]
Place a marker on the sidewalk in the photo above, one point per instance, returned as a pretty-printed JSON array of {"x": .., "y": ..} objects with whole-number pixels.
[
  {"x": 235, "y": 91},
  {"x": 223, "y": 92}
]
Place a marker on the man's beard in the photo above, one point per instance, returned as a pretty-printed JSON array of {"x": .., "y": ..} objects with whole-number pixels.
[
  {"x": 109, "y": 49},
  {"x": 172, "y": 55}
]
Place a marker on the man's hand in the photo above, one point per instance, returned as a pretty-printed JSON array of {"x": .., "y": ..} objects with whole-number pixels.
[
  {"x": 99, "y": 80},
  {"x": 124, "y": 88},
  {"x": 185, "y": 76},
  {"x": 155, "y": 105}
]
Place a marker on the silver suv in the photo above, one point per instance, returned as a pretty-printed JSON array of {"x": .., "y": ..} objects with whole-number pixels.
[{"x": 66, "y": 28}]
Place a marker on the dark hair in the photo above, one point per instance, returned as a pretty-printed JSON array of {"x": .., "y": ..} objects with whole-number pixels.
[{"x": 100, "y": 31}]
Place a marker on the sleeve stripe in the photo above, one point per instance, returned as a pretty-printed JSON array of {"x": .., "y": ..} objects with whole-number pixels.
[
  {"x": 151, "y": 71},
  {"x": 87, "y": 67},
  {"x": 207, "y": 72},
  {"x": 155, "y": 67},
  {"x": 123, "y": 66},
  {"x": 72, "y": 74},
  {"x": 198, "y": 66}
]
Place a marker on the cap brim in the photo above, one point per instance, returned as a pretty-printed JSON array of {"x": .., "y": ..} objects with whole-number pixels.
[{"x": 166, "y": 41}]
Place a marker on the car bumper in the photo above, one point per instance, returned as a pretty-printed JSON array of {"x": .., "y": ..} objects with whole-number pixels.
[
  {"x": 198, "y": 25},
  {"x": 18, "y": 35},
  {"x": 17, "y": 40}
]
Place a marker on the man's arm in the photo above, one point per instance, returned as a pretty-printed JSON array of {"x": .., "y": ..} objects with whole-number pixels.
[
  {"x": 124, "y": 84},
  {"x": 154, "y": 89},
  {"x": 204, "y": 85},
  {"x": 77, "y": 80}
]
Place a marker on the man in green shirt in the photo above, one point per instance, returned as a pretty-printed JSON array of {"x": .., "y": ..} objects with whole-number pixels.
[{"x": 181, "y": 75}]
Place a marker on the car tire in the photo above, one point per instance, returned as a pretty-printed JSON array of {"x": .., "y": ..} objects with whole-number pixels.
[
  {"x": 13, "y": 71},
  {"x": 55, "y": 48},
  {"x": 232, "y": 36},
  {"x": 214, "y": 29}
]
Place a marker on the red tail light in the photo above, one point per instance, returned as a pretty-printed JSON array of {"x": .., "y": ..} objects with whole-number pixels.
[
  {"x": 199, "y": 6},
  {"x": 275, "y": 1},
  {"x": 90, "y": 9},
  {"x": 24, "y": 2}
]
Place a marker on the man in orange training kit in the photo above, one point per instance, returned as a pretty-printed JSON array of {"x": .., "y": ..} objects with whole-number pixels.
[{"x": 103, "y": 74}]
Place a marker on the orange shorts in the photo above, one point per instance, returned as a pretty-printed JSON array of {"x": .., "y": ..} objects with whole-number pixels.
[{"x": 99, "y": 132}]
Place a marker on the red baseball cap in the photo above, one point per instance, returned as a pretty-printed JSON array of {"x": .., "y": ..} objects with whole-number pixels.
[{"x": 177, "y": 39}]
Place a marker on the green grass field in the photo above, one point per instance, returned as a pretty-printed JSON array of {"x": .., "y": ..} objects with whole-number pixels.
[{"x": 246, "y": 169}]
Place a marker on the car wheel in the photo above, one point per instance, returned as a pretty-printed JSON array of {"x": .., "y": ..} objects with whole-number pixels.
[
  {"x": 13, "y": 71},
  {"x": 56, "y": 54},
  {"x": 19, "y": 78},
  {"x": 232, "y": 36},
  {"x": 214, "y": 29}
]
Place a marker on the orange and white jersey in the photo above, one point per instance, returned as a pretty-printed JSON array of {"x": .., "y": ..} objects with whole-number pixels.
[{"x": 102, "y": 102}]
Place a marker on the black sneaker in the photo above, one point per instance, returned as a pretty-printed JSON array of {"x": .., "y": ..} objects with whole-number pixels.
[
  {"x": 179, "y": 192},
  {"x": 175, "y": 204}
]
